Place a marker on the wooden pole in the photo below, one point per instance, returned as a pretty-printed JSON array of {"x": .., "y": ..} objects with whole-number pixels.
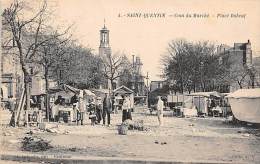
[
  {"x": 147, "y": 94},
  {"x": 19, "y": 107}
]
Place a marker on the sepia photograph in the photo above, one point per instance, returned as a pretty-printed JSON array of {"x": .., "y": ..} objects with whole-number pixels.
[{"x": 130, "y": 81}]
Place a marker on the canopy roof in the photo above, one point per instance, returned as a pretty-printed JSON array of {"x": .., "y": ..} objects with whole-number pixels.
[
  {"x": 245, "y": 93},
  {"x": 88, "y": 93},
  {"x": 100, "y": 91},
  {"x": 65, "y": 94},
  {"x": 123, "y": 90},
  {"x": 206, "y": 94},
  {"x": 66, "y": 90}
]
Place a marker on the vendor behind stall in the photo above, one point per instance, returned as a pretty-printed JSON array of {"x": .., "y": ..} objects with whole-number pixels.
[
  {"x": 58, "y": 101},
  {"x": 55, "y": 109},
  {"x": 74, "y": 99}
]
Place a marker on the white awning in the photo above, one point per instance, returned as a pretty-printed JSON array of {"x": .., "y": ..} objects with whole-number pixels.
[{"x": 245, "y": 93}]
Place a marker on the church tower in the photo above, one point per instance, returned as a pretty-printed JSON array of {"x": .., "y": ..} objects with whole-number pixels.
[
  {"x": 104, "y": 47},
  {"x": 105, "y": 50}
]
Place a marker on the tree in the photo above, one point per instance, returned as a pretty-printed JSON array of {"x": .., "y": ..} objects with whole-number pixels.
[
  {"x": 27, "y": 25},
  {"x": 239, "y": 74},
  {"x": 178, "y": 66},
  {"x": 126, "y": 74},
  {"x": 252, "y": 74},
  {"x": 191, "y": 65},
  {"x": 114, "y": 67},
  {"x": 80, "y": 68},
  {"x": 22, "y": 29},
  {"x": 50, "y": 55}
]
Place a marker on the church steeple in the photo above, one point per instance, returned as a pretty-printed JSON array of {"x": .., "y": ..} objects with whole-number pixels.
[{"x": 104, "y": 47}]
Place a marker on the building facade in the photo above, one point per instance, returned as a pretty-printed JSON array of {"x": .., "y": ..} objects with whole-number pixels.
[
  {"x": 137, "y": 80},
  {"x": 12, "y": 78},
  {"x": 239, "y": 59},
  {"x": 157, "y": 85},
  {"x": 11, "y": 73},
  {"x": 256, "y": 67}
]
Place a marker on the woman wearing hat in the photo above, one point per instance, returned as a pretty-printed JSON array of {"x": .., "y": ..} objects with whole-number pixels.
[
  {"x": 75, "y": 112},
  {"x": 126, "y": 113}
]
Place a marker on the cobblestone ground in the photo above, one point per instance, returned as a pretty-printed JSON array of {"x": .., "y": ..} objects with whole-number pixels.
[{"x": 180, "y": 139}]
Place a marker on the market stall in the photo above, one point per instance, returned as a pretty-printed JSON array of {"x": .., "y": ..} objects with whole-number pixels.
[
  {"x": 124, "y": 91},
  {"x": 245, "y": 104},
  {"x": 62, "y": 100},
  {"x": 205, "y": 101}
]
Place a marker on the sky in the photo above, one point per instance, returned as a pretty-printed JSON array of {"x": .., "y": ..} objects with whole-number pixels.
[{"x": 148, "y": 37}]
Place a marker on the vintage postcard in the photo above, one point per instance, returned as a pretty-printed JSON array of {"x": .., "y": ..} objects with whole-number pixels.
[{"x": 130, "y": 81}]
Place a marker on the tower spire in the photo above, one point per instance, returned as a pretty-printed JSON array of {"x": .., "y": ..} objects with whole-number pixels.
[{"x": 104, "y": 47}]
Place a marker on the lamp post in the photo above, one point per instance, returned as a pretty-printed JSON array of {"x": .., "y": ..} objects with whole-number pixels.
[
  {"x": 147, "y": 94},
  {"x": 201, "y": 75}
]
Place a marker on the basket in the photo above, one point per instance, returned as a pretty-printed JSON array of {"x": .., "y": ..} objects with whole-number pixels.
[{"x": 122, "y": 129}]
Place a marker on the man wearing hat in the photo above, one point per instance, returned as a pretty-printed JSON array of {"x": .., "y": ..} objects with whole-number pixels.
[
  {"x": 99, "y": 109},
  {"x": 107, "y": 108}
]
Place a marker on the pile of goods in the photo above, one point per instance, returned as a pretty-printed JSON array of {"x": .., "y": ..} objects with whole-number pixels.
[
  {"x": 130, "y": 125},
  {"x": 35, "y": 144}
]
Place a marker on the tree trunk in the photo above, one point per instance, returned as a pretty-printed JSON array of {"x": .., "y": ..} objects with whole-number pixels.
[
  {"x": 253, "y": 81},
  {"x": 181, "y": 86},
  {"x": 203, "y": 86},
  {"x": 111, "y": 84},
  {"x": 28, "y": 96},
  {"x": 194, "y": 87},
  {"x": 240, "y": 85}
]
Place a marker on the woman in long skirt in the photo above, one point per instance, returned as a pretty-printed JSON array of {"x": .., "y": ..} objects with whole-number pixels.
[
  {"x": 129, "y": 115},
  {"x": 124, "y": 109}
]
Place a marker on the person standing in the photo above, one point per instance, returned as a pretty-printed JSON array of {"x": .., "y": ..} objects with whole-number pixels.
[
  {"x": 125, "y": 108},
  {"x": 92, "y": 113},
  {"x": 75, "y": 112},
  {"x": 129, "y": 109},
  {"x": 160, "y": 107},
  {"x": 116, "y": 106},
  {"x": 120, "y": 103},
  {"x": 99, "y": 109},
  {"x": 82, "y": 106},
  {"x": 107, "y": 105}
]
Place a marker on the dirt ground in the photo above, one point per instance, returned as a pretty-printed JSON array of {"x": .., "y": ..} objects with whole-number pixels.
[{"x": 180, "y": 139}]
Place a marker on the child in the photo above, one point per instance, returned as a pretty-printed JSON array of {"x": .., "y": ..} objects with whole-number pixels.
[{"x": 92, "y": 113}]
